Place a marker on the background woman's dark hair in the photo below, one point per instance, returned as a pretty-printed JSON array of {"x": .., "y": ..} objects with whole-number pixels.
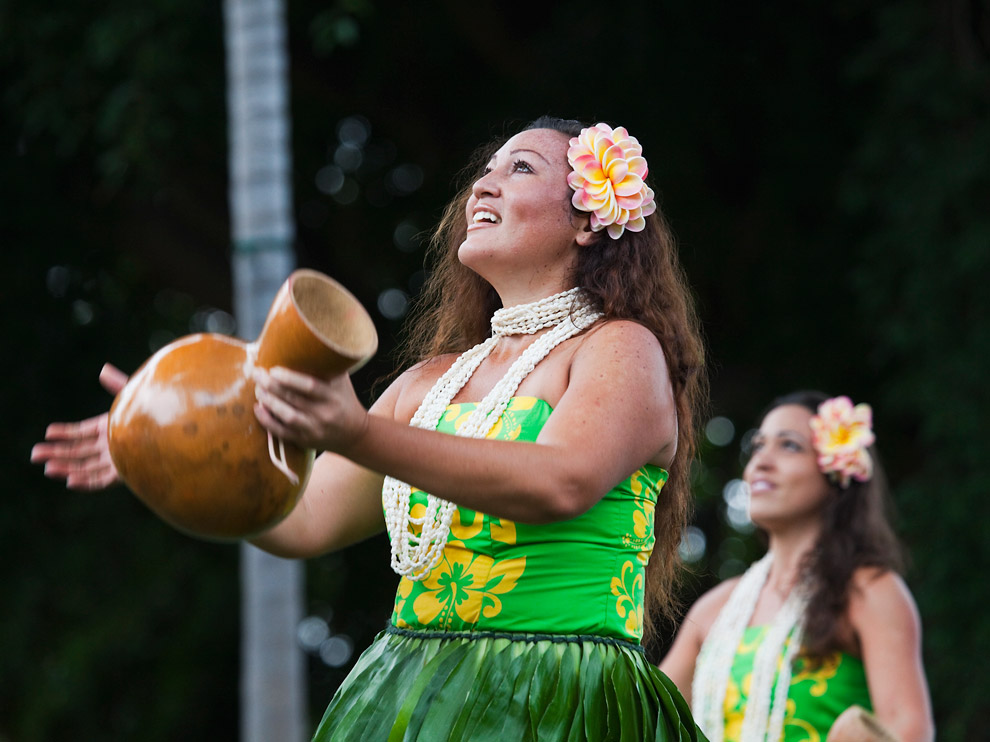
[
  {"x": 856, "y": 532},
  {"x": 636, "y": 277}
]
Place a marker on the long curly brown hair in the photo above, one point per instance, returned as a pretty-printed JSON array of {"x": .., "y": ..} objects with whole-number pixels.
[
  {"x": 856, "y": 532},
  {"x": 636, "y": 277}
]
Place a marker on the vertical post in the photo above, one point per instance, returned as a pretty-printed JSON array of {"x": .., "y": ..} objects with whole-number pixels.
[{"x": 272, "y": 684}]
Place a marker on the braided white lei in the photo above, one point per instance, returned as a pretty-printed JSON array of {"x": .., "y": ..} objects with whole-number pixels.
[
  {"x": 567, "y": 313},
  {"x": 767, "y": 701}
]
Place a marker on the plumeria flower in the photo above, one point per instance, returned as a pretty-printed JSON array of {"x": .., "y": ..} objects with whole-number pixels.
[
  {"x": 841, "y": 435},
  {"x": 609, "y": 179}
]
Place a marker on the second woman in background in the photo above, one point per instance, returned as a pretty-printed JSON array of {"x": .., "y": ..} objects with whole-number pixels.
[{"x": 821, "y": 630}]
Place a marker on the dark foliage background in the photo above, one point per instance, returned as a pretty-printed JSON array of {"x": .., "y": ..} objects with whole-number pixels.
[{"x": 826, "y": 167}]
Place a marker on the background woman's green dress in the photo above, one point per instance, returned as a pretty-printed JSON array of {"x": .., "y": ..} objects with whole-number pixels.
[
  {"x": 818, "y": 693},
  {"x": 521, "y": 632}
]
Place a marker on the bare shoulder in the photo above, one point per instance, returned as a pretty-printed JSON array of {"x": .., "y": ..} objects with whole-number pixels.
[
  {"x": 622, "y": 343},
  {"x": 706, "y": 608},
  {"x": 680, "y": 660},
  {"x": 712, "y": 602},
  {"x": 625, "y": 333},
  {"x": 875, "y": 581},
  {"x": 427, "y": 371},
  {"x": 880, "y": 593},
  {"x": 404, "y": 395}
]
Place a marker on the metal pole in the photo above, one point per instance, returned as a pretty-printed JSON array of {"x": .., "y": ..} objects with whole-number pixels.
[{"x": 272, "y": 687}]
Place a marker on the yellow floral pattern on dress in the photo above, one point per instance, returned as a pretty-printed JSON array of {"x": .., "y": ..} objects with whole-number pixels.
[
  {"x": 644, "y": 494},
  {"x": 401, "y": 595},
  {"x": 733, "y": 711},
  {"x": 817, "y": 694},
  {"x": 628, "y": 588},
  {"x": 499, "y": 575},
  {"x": 628, "y": 585},
  {"x": 798, "y": 730},
  {"x": 820, "y": 675},
  {"x": 508, "y": 426},
  {"x": 750, "y": 647},
  {"x": 465, "y": 585}
]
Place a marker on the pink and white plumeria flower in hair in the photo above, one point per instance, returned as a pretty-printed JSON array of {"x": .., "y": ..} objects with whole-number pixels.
[
  {"x": 609, "y": 179},
  {"x": 841, "y": 434}
]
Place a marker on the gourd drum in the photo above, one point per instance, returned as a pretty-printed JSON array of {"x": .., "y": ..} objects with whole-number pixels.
[{"x": 182, "y": 431}]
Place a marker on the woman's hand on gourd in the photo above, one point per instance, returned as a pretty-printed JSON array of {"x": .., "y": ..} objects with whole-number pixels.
[
  {"x": 856, "y": 724},
  {"x": 314, "y": 413},
  {"x": 79, "y": 452}
]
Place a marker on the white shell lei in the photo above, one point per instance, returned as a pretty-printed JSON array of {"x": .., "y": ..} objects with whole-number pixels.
[
  {"x": 567, "y": 313},
  {"x": 766, "y": 702}
]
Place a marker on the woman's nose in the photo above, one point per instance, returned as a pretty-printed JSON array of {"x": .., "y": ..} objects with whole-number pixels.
[
  {"x": 759, "y": 460},
  {"x": 486, "y": 185}
]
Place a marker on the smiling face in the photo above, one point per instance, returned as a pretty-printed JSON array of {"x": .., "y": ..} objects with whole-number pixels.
[
  {"x": 522, "y": 235},
  {"x": 786, "y": 486}
]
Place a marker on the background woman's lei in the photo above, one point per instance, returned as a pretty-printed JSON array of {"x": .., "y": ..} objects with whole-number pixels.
[
  {"x": 841, "y": 435},
  {"x": 609, "y": 179}
]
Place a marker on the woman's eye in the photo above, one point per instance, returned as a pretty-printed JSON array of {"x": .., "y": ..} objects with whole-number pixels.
[
  {"x": 521, "y": 166},
  {"x": 791, "y": 445}
]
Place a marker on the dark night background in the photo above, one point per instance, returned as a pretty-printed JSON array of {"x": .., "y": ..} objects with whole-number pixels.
[{"x": 825, "y": 166}]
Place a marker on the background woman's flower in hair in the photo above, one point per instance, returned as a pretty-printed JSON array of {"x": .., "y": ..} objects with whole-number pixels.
[
  {"x": 609, "y": 179},
  {"x": 841, "y": 434}
]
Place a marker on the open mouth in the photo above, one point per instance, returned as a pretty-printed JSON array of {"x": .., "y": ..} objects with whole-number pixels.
[{"x": 483, "y": 216}]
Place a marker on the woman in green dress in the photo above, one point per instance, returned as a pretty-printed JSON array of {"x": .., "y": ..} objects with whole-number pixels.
[
  {"x": 553, "y": 378},
  {"x": 820, "y": 639}
]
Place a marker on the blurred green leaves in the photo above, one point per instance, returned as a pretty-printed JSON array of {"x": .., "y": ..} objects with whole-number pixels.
[
  {"x": 917, "y": 190},
  {"x": 111, "y": 76}
]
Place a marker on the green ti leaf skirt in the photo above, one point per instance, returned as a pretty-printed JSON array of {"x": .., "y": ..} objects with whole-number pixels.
[{"x": 434, "y": 686}]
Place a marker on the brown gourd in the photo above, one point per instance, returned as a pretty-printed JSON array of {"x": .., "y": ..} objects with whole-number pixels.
[{"x": 183, "y": 434}]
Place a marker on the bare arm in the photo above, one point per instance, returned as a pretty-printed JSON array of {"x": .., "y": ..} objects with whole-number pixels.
[
  {"x": 340, "y": 505},
  {"x": 678, "y": 664},
  {"x": 617, "y": 412},
  {"x": 885, "y": 619}
]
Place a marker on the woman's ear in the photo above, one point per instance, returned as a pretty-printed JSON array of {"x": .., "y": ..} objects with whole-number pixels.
[{"x": 585, "y": 236}]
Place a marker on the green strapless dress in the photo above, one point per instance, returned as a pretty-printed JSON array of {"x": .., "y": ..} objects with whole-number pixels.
[
  {"x": 521, "y": 632},
  {"x": 818, "y": 693}
]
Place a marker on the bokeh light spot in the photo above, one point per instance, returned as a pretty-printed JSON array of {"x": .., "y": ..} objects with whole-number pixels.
[
  {"x": 311, "y": 632},
  {"x": 692, "y": 546},
  {"x": 393, "y": 303},
  {"x": 720, "y": 431},
  {"x": 337, "y": 650}
]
